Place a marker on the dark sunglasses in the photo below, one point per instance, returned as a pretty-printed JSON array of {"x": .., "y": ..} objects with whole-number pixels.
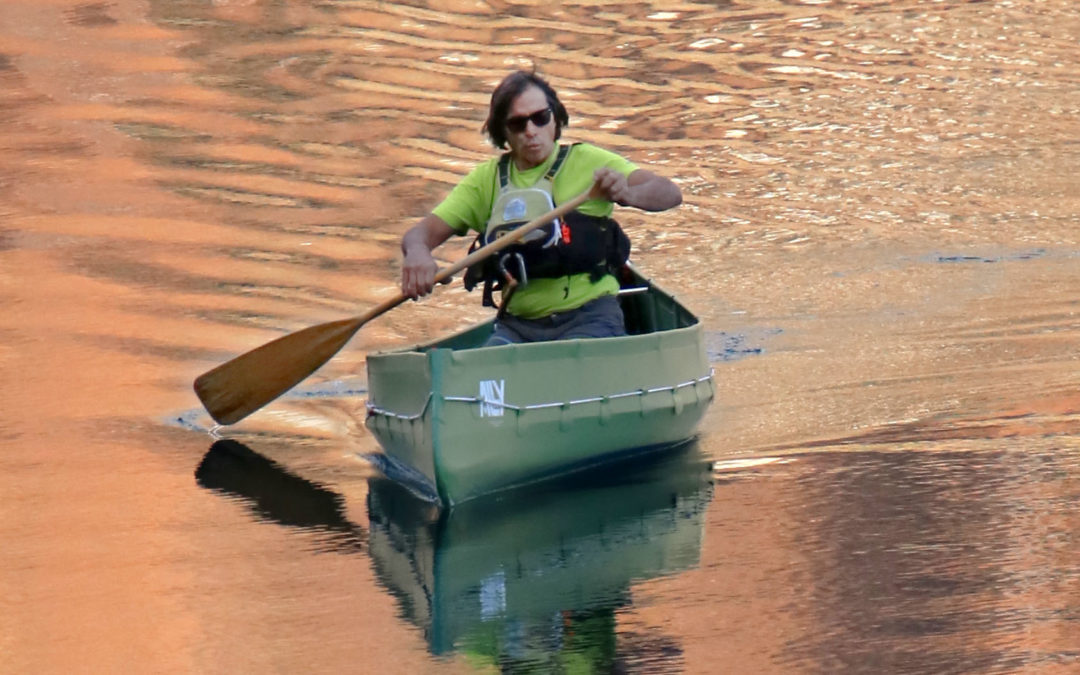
[{"x": 540, "y": 118}]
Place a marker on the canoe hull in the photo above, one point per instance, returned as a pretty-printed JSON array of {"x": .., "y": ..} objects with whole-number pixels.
[{"x": 456, "y": 423}]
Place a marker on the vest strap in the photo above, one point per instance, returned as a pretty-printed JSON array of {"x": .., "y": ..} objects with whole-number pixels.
[{"x": 560, "y": 157}]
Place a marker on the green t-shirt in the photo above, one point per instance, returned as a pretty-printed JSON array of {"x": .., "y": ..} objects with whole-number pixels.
[{"x": 469, "y": 204}]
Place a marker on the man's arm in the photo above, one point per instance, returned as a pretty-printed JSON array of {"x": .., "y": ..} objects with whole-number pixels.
[
  {"x": 643, "y": 189},
  {"x": 419, "y": 268}
]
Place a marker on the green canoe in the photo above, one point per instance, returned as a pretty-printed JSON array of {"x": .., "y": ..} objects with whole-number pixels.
[{"x": 457, "y": 420}]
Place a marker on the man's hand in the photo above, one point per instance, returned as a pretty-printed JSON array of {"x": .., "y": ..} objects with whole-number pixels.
[
  {"x": 614, "y": 186},
  {"x": 418, "y": 269},
  {"x": 418, "y": 273}
]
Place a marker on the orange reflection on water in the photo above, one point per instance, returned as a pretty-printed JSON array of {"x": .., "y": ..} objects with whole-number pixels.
[{"x": 880, "y": 200}]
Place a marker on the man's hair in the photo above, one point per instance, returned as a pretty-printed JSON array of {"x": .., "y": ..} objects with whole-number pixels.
[{"x": 510, "y": 88}]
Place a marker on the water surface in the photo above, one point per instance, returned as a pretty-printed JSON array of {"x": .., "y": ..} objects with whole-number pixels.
[{"x": 880, "y": 233}]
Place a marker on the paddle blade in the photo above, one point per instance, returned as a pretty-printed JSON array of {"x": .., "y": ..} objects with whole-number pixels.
[{"x": 237, "y": 388}]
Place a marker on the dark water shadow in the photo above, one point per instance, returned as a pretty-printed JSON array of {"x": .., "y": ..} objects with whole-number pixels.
[
  {"x": 914, "y": 558},
  {"x": 275, "y": 495},
  {"x": 531, "y": 580}
]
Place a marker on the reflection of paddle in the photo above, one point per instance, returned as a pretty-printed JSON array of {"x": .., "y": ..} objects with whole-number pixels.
[
  {"x": 274, "y": 494},
  {"x": 239, "y": 387}
]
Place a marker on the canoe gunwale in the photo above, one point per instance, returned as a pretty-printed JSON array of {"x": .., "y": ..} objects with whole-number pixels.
[{"x": 373, "y": 410}]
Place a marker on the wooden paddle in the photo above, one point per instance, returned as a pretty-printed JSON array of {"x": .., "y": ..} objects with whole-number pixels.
[{"x": 237, "y": 388}]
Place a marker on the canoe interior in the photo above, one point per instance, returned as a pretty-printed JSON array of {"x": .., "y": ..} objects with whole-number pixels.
[{"x": 647, "y": 309}]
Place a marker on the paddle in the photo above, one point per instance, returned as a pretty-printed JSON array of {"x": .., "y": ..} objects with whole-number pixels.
[{"x": 237, "y": 388}]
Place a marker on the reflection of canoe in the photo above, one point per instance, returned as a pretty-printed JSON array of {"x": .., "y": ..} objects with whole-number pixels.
[
  {"x": 457, "y": 420},
  {"x": 497, "y": 577}
]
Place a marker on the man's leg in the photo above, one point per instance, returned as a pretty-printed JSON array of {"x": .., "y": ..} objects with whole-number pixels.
[
  {"x": 503, "y": 335},
  {"x": 602, "y": 317}
]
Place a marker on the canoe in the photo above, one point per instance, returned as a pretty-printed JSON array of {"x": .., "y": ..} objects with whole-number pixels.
[{"x": 457, "y": 420}]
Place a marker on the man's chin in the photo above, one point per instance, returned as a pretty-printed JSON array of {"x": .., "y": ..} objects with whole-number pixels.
[{"x": 538, "y": 154}]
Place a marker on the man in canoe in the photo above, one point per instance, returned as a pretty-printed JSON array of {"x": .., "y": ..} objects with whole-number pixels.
[{"x": 560, "y": 277}]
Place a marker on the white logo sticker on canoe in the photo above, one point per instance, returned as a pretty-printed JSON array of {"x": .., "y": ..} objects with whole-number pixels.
[{"x": 491, "y": 397}]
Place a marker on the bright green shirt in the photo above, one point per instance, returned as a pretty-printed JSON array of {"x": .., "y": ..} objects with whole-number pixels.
[{"x": 469, "y": 204}]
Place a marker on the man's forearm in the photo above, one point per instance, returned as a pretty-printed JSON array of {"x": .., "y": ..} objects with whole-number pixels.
[{"x": 653, "y": 193}]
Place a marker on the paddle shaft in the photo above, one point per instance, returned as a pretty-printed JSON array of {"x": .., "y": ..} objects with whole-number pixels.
[
  {"x": 483, "y": 253},
  {"x": 239, "y": 387},
  {"x": 513, "y": 236},
  {"x": 479, "y": 254}
]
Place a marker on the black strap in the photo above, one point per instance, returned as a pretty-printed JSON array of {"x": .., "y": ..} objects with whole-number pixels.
[
  {"x": 504, "y": 170},
  {"x": 564, "y": 150}
]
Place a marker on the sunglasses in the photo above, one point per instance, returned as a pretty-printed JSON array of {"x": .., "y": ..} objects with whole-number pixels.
[{"x": 540, "y": 118}]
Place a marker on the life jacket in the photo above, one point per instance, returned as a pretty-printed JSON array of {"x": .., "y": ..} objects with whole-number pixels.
[{"x": 576, "y": 244}]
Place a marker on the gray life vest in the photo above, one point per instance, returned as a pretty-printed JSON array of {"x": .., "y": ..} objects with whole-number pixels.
[{"x": 575, "y": 244}]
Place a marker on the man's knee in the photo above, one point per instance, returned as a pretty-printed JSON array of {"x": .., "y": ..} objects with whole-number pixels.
[{"x": 502, "y": 336}]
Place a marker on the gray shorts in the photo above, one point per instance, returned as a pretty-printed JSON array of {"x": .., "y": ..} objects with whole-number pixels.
[{"x": 602, "y": 317}]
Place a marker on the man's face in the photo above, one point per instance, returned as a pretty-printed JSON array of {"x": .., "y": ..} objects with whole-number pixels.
[{"x": 532, "y": 144}]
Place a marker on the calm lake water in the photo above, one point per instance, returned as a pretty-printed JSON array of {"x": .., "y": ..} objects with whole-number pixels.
[{"x": 881, "y": 234}]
